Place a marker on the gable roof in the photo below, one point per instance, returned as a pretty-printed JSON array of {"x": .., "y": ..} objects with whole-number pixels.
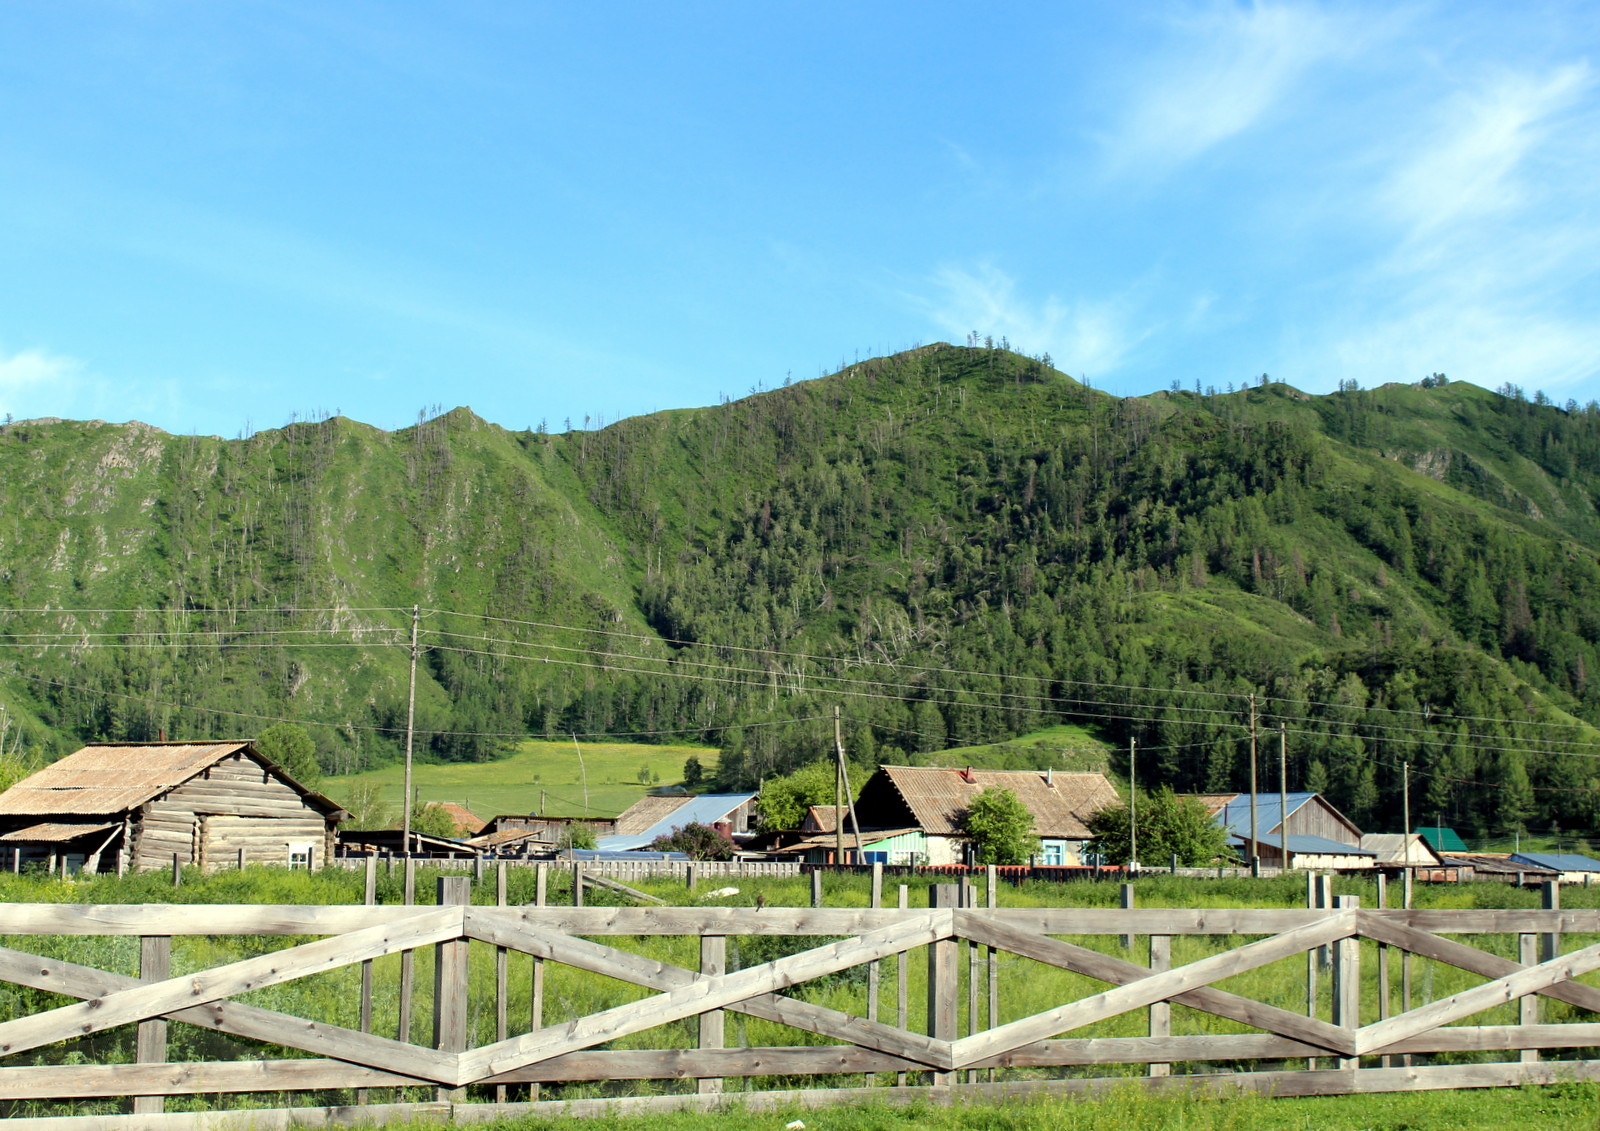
[
  {"x": 1558, "y": 861},
  {"x": 1060, "y": 803},
  {"x": 706, "y": 809},
  {"x": 1442, "y": 839},
  {"x": 645, "y": 812},
  {"x": 108, "y": 778},
  {"x": 1394, "y": 848},
  {"x": 1232, "y": 811},
  {"x": 467, "y": 822}
]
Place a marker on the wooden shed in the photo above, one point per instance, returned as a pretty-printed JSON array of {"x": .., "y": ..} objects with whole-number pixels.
[{"x": 139, "y": 805}]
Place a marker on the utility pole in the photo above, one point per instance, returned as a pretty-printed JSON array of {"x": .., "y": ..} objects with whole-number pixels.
[
  {"x": 1133, "y": 807},
  {"x": 1283, "y": 795},
  {"x": 841, "y": 794},
  {"x": 1255, "y": 845},
  {"x": 411, "y": 722},
  {"x": 1405, "y": 802}
]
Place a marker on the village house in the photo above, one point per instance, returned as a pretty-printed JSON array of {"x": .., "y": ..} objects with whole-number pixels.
[
  {"x": 656, "y": 815},
  {"x": 932, "y": 802},
  {"x": 1319, "y": 836},
  {"x": 137, "y": 806}
]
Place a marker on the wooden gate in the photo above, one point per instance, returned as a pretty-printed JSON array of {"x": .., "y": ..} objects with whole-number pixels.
[{"x": 920, "y": 1053}]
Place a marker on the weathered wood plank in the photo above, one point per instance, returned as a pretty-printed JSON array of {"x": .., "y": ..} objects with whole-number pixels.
[
  {"x": 145, "y": 1001},
  {"x": 1464, "y": 1004},
  {"x": 241, "y": 1020},
  {"x": 1122, "y": 972},
  {"x": 1471, "y": 959},
  {"x": 703, "y": 994},
  {"x": 713, "y": 963},
  {"x": 150, "y": 1044}
]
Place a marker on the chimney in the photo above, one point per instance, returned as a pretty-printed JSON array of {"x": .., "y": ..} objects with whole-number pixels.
[
  {"x": 1050, "y": 776},
  {"x": 966, "y": 776}
]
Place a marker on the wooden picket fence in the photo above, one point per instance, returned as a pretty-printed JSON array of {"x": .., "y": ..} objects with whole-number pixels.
[{"x": 912, "y": 1053}]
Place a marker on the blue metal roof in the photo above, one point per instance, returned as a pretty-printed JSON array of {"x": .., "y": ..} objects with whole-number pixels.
[
  {"x": 603, "y": 854},
  {"x": 707, "y": 809},
  {"x": 1310, "y": 845},
  {"x": 1558, "y": 861},
  {"x": 1235, "y": 815}
]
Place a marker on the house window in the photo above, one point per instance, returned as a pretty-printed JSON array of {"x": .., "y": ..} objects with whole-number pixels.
[
  {"x": 300, "y": 856},
  {"x": 1053, "y": 853}
]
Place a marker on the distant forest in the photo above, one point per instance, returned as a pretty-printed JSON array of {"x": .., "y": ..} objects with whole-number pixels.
[{"x": 957, "y": 544}]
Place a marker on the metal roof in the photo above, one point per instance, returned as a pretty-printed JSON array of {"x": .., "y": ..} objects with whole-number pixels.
[
  {"x": 1307, "y": 845},
  {"x": 1558, "y": 861},
  {"x": 53, "y": 832},
  {"x": 1443, "y": 839},
  {"x": 105, "y": 779},
  {"x": 1060, "y": 803},
  {"x": 1498, "y": 863},
  {"x": 706, "y": 809},
  {"x": 1232, "y": 810}
]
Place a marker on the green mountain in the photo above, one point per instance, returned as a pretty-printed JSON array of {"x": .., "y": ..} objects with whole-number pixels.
[{"x": 958, "y": 545}]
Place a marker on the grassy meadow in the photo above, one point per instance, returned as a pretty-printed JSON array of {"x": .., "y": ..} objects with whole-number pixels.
[
  {"x": 562, "y": 773},
  {"x": 1025, "y": 987}
]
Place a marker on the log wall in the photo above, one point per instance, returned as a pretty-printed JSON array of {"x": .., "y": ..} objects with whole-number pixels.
[{"x": 235, "y": 805}]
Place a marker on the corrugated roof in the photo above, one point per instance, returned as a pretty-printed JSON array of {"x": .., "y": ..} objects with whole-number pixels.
[
  {"x": 1307, "y": 845},
  {"x": 1498, "y": 863},
  {"x": 1392, "y": 847},
  {"x": 52, "y": 832},
  {"x": 1558, "y": 861},
  {"x": 1442, "y": 839},
  {"x": 106, "y": 779},
  {"x": 1232, "y": 810},
  {"x": 707, "y": 809},
  {"x": 869, "y": 837},
  {"x": 109, "y": 778},
  {"x": 938, "y": 798},
  {"x": 467, "y": 822},
  {"x": 645, "y": 812}
]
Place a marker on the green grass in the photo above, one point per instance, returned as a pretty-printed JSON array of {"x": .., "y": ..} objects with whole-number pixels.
[
  {"x": 552, "y": 770},
  {"x": 1067, "y": 747},
  {"x": 1568, "y": 1107}
]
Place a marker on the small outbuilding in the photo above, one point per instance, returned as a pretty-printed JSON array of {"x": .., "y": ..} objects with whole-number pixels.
[{"x": 116, "y": 806}]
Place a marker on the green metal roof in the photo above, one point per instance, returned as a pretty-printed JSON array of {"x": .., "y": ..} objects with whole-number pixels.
[{"x": 1442, "y": 839}]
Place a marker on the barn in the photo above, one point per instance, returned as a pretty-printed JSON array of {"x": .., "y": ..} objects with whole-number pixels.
[{"x": 117, "y": 806}]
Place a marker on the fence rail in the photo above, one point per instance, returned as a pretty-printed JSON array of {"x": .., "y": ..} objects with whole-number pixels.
[{"x": 959, "y": 1042}]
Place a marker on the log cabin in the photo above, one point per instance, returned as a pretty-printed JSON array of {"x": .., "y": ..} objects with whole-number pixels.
[{"x": 138, "y": 806}]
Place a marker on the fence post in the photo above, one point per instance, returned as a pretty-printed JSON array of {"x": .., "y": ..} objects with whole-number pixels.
[
  {"x": 1383, "y": 964},
  {"x": 943, "y": 975},
  {"x": 816, "y": 887},
  {"x": 713, "y": 961},
  {"x": 502, "y": 975},
  {"x": 1127, "y": 905},
  {"x": 1347, "y": 981},
  {"x": 1550, "y": 900},
  {"x": 1528, "y": 1004},
  {"x": 902, "y": 1011},
  {"x": 577, "y": 884},
  {"x": 177, "y": 870},
  {"x": 689, "y": 876},
  {"x": 369, "y": 898},
  {"x": 241, "y": 859},
  {"x": 408, "y": 958},
  {"x": 541, "y": 877},
  {"x": 1311, "y": 963},
  {"x": 450, "y": 983},
  {"x": 874, "y": 969},
  {"x": 150, "y": 1043},
  {"x": 1160, "y": 1012}
]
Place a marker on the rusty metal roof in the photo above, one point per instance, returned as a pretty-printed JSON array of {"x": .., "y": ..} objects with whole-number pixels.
[
  {"x": 110, "y": 778},
  {"x": 645, "y": 812},
  {"x": 1060, "y": 803},
  {"x": 52, "y": 832}
]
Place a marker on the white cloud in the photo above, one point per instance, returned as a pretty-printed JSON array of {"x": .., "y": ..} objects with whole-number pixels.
[
  {"x": 1472, "y": 167},
  {"x": 1489, "y": 203},
  {"x": 35, "y": 378},
  {"x": 1081, "y": 337},
  {"x": 1229, "y": 69}
]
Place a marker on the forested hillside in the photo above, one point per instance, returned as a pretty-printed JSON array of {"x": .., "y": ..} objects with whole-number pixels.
[{"x": 955, "y": 544}]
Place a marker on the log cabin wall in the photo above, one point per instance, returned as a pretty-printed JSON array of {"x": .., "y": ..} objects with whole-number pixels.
[{"x": 235, "y": 804}]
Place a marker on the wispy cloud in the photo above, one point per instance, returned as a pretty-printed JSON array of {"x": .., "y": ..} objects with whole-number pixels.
[
  {"x": 1093, "y": 337},
  {"x": 1224, "y": 70},
  {"x": 1488, "y": 202},
  {"x": 36, "y": 378}
]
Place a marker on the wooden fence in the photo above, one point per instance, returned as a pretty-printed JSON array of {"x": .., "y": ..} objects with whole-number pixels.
[{"x": 954, "y": 1043}]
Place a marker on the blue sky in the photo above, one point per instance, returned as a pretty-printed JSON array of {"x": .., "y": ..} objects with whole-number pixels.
[{"x": 217, "y": 216}]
